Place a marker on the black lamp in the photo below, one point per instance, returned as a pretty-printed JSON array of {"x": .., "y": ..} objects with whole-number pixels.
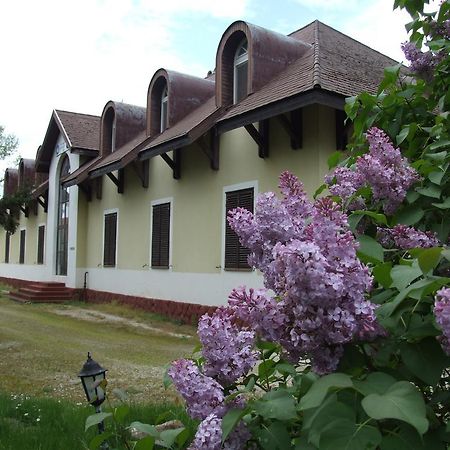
[{"x": 93, "y": 377}]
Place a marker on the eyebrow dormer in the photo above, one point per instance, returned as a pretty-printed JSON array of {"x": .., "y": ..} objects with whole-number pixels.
[
  {"x": 120, "y": 123},
  {"x": 249, "y": 56},
  {"x": 172, "y": 96},
  {"x": 26, "y": 173},
  {"x": 11, "y": 182}
]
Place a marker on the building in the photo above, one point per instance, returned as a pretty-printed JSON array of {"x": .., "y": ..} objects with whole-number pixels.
[{"x": 134, "y": 202}]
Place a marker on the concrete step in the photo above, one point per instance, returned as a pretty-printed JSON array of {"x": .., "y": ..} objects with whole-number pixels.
[{"x": 43, "y": 292}]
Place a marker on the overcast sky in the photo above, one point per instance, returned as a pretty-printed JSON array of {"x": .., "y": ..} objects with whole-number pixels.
[{"x": 77, "y": 55}]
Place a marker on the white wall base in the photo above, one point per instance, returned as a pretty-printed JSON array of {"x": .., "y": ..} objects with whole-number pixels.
[{"x": 199, "y": 288}]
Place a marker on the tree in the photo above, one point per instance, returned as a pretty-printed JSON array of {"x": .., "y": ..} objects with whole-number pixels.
[{"x": 8, "y": 143}]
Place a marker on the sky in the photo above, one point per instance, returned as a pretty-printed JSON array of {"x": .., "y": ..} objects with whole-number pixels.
[{"x": 78, "y": 55}]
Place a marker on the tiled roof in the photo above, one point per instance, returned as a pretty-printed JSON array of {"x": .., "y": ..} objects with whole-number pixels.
[
  {"x": 335, "y": 63},
  {"x": 82, "y": 130}
]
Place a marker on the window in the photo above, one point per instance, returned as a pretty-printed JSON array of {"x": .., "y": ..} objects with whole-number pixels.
[
  {"x": 163, "y": 122},
  {"x": 240, "y": 76},
  {"x": 110, "y": 240},
  {"x": 236, "y": 254},
  {"x": 62, "y": 231},
  {"x": 7, "y": 246},
  {"x": 22, "y": 247},
  {"x": 40, "y": 246},
  {"x": 160, "y": 235}
]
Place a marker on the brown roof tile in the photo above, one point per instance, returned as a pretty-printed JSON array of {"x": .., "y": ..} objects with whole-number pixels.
[{"x": 83, "y": 130}]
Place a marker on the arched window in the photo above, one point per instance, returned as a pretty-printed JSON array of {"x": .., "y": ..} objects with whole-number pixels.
[
  {"x": 240, "y": 75},
  {"x": 163, "y": 122},
  {"x": 62, "y": 230}
]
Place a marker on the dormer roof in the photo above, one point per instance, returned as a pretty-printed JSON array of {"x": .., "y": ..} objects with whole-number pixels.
[{"x": 80, "y": 133}]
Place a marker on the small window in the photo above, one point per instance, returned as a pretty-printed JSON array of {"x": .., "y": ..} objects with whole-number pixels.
[
  {"x": 160, "y": 235},
  {"x": 7, "y": 246},
  {"x": 240, "y": 77},
  {"x": 163, "y": 122},
  {"x": 235, "y": 253},
  {"x": 110, "y": 240},
  {"x": 22, "y": 247},
  {"x": 40, "y": 247}
]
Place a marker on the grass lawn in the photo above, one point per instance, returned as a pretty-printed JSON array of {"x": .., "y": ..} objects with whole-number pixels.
[{"x": 42, "y": 349}]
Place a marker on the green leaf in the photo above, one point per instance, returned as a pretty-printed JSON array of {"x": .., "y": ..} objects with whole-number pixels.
[
  {"x": 369, "y": 249},
  {"x": 402, "y": 276},
  {"x": 146, "y": 443},
  {"x": 333, "y": 159},
  {"x": 436, "y": 176},
  {"x": 444, "y": 205},
  {"x": 439, "y": 144},
  {"x": 430, "y": 191},
  {"x": 353, "y": 221},
  {"x": 168, "y": 437},
  {"x": 95, "y": 419},
  {"x": 375, "y": 383},
  {"x": 145, "y": 428},
  {"x": 319, "y": 390},
  {"x": 401, "y": 401},
  {"x": 98, "y": 440},
  {"x": 266, "y": 368},
  {"x": 404, "y": 439},
  {"x": 347, "y": 435},
  {"x": 378, "y": 217},
  {"x": 274, "y": 437},
  {"x": 167, "y": 381},
  {"x": 277, "y": 404},
  {"x": 120, "y": 413},
  {"x": 425, "y": 360},
  {"x": 230, "y": 420},
  {"x": 402, "y": 135},
  {"x": 382, "y": 274},
  {"x": 429, "y": 259},
  {"x": 409, "y": 215},
  {"x": 286, "y": 369}
]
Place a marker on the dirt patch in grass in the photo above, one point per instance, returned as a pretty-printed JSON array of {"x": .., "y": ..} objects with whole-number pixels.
[{"x": 43, "y": 346}]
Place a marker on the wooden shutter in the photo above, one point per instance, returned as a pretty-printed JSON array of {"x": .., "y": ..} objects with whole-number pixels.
[
  {"x": 22, "y": 247},
  {"x": 7, "y": 246},
  {"x": 40, "y": 249},
  {"x": 160, "y": 235},
  {"x": 235, "y": 253},
  {"x": 109, "y": 253}
]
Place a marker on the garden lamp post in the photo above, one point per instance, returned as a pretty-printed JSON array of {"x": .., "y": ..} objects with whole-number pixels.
[{"x": 93, "y": 378}]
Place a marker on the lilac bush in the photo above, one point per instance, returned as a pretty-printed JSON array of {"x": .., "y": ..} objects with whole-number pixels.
[
  {"x": 405, "y": 238},
  {"x": 383, "y": 169},
  {"x": 442, "y": 315}
]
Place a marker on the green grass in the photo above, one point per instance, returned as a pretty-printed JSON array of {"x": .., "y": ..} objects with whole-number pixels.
[{"x": 28, "y": 423}]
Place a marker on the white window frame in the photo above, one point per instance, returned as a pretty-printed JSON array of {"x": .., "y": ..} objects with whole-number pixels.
[
  {"x": 237, "y": 61},
  {"x": 105, "y": 212},
  {"x": 234, "y": 187},
  {"x": 153, "y": 203},
  {"x": 164, "y": 112}
]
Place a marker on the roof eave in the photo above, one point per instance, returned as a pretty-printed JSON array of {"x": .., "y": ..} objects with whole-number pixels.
[{"x": 313, "y": 96}]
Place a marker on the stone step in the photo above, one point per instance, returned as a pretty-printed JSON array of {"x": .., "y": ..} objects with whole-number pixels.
[{"x": 43, "y": 292}]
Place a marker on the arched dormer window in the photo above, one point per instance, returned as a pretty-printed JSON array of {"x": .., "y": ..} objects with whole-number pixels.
[
  {"x": 240, "y": 72},
  {"x": 108, "y": 143},
  {"x": 163, "y": 119}
]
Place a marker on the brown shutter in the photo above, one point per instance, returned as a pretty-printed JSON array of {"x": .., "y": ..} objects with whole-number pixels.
[
  {"x": 109, "y": 253},
  {"x": 22, "y": 247},
  {"x": 40, "y": 249},
  {"x": 160, "y": 235},
  {"x": 7, "y": 245},
  {"x": 235, "y": 253}
]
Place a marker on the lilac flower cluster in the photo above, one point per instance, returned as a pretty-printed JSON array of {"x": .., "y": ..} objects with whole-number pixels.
[
  {"x": 209, "y": 436},
  {"x": 308, "y": 257},
  {"x": 203, "y": 395},
  {"x": 227, "y": 349},
  {"x": 442, "y": 315},
  {"x": 422, "y": 63},
  {"x": 404, "y": 237},
  {"x": 383, "y": 169}
]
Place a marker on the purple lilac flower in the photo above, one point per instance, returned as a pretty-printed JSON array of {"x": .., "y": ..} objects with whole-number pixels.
[
  {"x": 227, "y": 349},
  {"x": 422, "y": 63},
  {"x": 405, "y": 238},
  {"x": 202, "y": 394},
  {"x": 308, "y": 258},
  {"x": 383, "y": 169},
  {"x": 442, "y": 315},
  {"x": 209, "y": 436},
  {"x": 257, "y": 309}
]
